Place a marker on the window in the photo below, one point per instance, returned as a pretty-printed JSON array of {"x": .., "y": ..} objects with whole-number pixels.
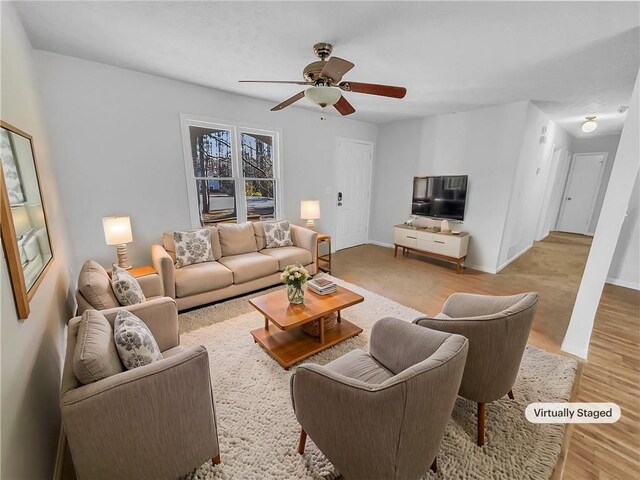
[{"x": 232, "y": 172}]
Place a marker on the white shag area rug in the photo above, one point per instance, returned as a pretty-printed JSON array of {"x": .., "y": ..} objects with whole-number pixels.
[{"x": 258, "y": 431}]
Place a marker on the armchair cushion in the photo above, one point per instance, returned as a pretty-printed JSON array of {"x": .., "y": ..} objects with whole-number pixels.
[
  {"x": 134, "y": 341},
  {"x": 95, "y": 356},
  {"x": 95, "y": 286},
  {"x": 236, "y": 239},
  {"x": 359, "y": 365},
  {"x": 127, "y": 289},
  {"x": 289, "y": 256}
]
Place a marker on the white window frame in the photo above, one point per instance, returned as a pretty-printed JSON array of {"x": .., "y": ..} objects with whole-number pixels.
[{"x": 236, "y": 130}]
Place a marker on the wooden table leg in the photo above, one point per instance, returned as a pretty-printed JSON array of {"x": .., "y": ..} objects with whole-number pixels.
[
  {"x": 266, "y": 323},
  {"x": 395, "y": 253},
  {"x": 339, "y": 317},
  {"x": 321, "y": 321}
]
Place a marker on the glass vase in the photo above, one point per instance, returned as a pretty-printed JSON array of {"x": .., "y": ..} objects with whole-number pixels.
[{"x": 295, "y": 294}]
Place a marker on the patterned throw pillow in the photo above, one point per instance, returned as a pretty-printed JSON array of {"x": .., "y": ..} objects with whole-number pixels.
[
  {"x": 134, "y": 341},
  {"x": 277, "y": 234},
  {"x": 193, "y": 247},
  {"x": 127, "y": 289}
]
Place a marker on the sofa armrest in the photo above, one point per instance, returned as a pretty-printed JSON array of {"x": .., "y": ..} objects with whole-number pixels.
[
  {"x": 163, "y": 263},
  {"x": 307, "y": 239},
  {"x": 155, "y": 421},
  {"x": 159, "y": 314},
  {"x": 151, "y": 285}
]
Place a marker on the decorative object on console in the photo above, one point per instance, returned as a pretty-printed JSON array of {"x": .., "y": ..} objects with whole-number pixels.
[
  {"x": 25, "y": 238},
  {"x": 193, "y": 247},
  {"x": 294, "y": 276},
  {"x": 310, "y": 211},
  {"x": 134, "y": 341},
  {"x": 126, "y": 288},
  {"x": 444, "y": 226},
  {"x": 117, "y": 231},
  {"x": 277, "y": 234}
]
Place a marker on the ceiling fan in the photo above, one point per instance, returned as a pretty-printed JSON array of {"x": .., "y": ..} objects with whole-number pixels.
[{"x": 324, "y": 78}]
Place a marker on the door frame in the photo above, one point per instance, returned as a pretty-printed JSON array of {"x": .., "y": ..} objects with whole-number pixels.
[
  {"x": 595, "y": 197},
  {"x": 336, "y": 245}
]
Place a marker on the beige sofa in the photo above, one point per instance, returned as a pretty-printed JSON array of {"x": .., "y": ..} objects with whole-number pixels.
[{"x": 241, "y": 263}]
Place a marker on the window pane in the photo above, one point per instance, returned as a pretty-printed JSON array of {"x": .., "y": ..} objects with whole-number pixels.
[
  {"x": 257, "y": 155},
  {"x": 261, "y": 202},
  {"x": 211, "y": 150},
  {"x": 216, "y": 201}
]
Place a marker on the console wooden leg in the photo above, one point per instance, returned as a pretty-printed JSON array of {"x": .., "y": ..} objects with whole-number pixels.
[
  {"x": 481, "y": 414},
  {"x": 395, "y": 253},
  {"x": 216, "y": 460},
  {"x": 510, "y": 394},
  {"x": 434, "y": 465},
  {"x": 302, "y": 442}
]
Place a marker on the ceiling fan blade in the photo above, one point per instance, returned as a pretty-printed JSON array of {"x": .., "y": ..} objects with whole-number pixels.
[
  {"x": 374, "y": 89},
  {"x": 292, "y": 82},
  {"x": 288, "y": 101},
  {"x": 344, "y": 107},
  {"x": 335, "y": 68}
]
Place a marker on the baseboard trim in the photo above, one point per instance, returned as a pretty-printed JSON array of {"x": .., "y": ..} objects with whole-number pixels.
[
  {"x": 623, "y": 283},
  {"x": 380, "y": 244},
  {"x": 514, "y": 258},
  {"x": 481, "y": 268},
  {"x": 62, "y": 443},
  {"x": 581, "y": 352}
]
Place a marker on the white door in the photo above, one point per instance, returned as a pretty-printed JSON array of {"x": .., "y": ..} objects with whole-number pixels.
[
  {"x": 581, "y": 191},
  {"x": 354, "y": 164}
]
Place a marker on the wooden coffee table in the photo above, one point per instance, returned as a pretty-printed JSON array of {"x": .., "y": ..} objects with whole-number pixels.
[{"x": 281, "y": 335}]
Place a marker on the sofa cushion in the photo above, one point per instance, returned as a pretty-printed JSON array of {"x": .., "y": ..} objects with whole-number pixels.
[
  {"x": 95, "y": 356},
  {"x": 236, "y": 239},
  {"x": 126, "y": 287},
  {"x": 170, "y": 246},
  {"x": 134, "y": 341},
  {"x": 359, "y": 365},
  {"x": 201, "y": 277},
  {"x": 278, "y": 234},
  {"x": 192, "y": 247},
  {"x": 261, "y": 239},
  {"x": 249, "y": 266},
  {"x": 95, "y": 286},
  {"x": 288, "y": 256}
]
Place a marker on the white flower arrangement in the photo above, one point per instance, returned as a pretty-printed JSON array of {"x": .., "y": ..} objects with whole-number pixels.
[{"x": 294, "y": 275}]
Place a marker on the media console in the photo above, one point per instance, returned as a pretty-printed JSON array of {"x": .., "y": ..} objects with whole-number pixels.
[{"x": 442, "y": 245}]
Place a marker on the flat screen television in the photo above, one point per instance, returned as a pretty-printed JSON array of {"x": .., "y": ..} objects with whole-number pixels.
[{"x": 440, "y": 197}]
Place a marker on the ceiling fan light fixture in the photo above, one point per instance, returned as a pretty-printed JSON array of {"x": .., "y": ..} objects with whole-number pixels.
[
  {"x": 323, "y": 96},
  {"x": 590, "y": 125}
]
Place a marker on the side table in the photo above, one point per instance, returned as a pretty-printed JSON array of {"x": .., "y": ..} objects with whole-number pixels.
[{"x": 324, "y": 260}]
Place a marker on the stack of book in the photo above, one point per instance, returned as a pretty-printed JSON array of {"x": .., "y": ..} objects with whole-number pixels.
[{"x": 321, "y": 286}]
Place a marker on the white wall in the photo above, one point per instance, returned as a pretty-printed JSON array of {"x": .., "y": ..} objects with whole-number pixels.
[
  {"x": 484, "y": 144},
  {"x": 625, "y": 265},
  {"x": 119, "y": 150},
  {"x": 599, "y": 144},
  {"x": 532, "y": 181},
  {"x": 31, "y": 349}
]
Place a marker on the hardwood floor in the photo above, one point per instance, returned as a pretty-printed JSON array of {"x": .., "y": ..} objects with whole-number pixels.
[{"x": 553, "y": 268}]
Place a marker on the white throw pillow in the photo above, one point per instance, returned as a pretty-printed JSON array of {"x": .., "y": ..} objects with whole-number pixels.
[
  {"x": 193, "y": 247},
  {"x": 277, "y": 234},
  {"x": 125, "y": 286},
  {"x": 134, "y": 341}
]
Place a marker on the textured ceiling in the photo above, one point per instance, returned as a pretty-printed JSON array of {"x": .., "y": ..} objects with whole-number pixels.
[{"x": 571, "y": 58}]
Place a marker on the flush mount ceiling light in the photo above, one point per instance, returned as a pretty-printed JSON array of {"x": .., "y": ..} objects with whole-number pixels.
[
  {"x": 590, "y": 125},
  {"x": 323, "y": 96}
]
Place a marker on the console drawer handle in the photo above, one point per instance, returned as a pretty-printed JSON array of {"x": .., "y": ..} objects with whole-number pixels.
[
  {"x": 415, "y": 238},
  {"x": 438, "y": 241}
]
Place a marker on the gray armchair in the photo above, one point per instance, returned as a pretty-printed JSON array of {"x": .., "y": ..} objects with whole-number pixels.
[
  {"x": 497, "y": 329},
  {"x": 382, "y": 414},
  {"x": 155, "y": 421}
]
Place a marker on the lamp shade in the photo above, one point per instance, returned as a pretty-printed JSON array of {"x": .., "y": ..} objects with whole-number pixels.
[
  {"x": 21, "y": 220},
  {"x": 36, "y": 214},
  {"x": 117, "y": 230},
  {"x": 310, "y": 209},
  {"x": 323, "y": 96}
]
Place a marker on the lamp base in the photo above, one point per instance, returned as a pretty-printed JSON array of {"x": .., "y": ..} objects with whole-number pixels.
[
  {"x": 123, "y": 258},
  {"x": 311, "y": 224}
]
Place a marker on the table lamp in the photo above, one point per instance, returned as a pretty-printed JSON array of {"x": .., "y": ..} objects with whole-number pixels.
[
  {"x": 117, "y": 231},
  {"x": 21, "y": 220},
  {"x": 310, "y": 211}
]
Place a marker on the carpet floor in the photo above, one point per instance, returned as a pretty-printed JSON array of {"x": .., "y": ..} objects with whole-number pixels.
[{"x": 258, "y": 431}]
